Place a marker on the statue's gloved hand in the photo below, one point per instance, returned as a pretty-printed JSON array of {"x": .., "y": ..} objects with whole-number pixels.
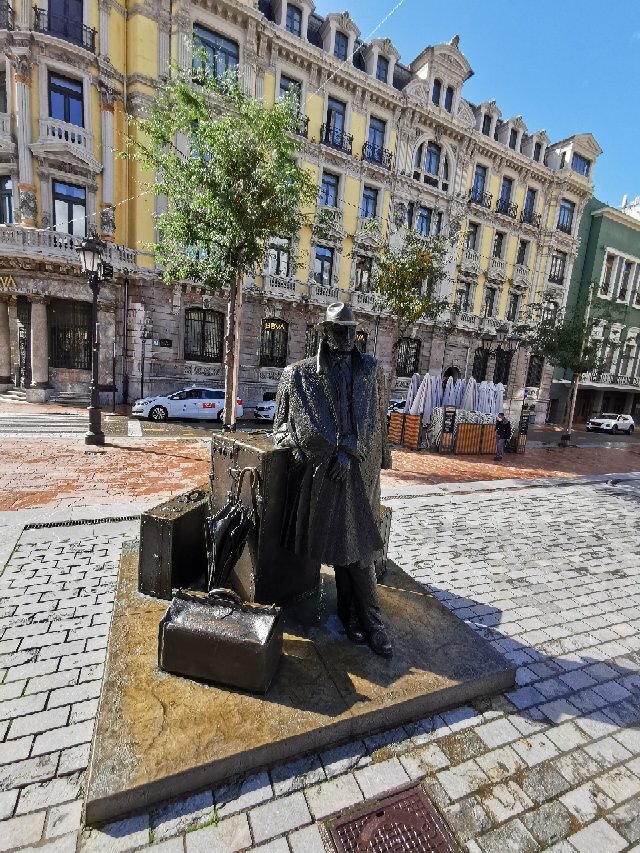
[
  {"x": 339, "y": 467},
  {"x": 297, "y": 457}
]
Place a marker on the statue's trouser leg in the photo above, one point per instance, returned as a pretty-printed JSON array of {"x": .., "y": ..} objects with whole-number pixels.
[{"x": 358, "y": 585}]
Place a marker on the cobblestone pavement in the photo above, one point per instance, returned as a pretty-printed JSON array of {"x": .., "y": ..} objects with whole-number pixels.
[{"x": 549, "y": 574}]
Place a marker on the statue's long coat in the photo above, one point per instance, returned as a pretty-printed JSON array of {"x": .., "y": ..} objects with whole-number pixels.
[{"x": 336, "y": 522}]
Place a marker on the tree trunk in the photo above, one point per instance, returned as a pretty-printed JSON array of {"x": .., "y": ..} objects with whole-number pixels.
[
  {"x": 572, "y": 402},
  {"x": 231, "y": 352}
]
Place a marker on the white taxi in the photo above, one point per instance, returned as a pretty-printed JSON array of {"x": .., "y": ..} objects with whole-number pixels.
[{"x": 197, "y": 403}]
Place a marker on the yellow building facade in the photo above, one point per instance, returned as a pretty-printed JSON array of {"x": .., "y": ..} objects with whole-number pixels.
[{"x": 392, "y": 146}]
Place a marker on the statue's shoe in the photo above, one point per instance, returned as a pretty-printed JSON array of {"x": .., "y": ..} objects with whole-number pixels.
[
  {"x": 380, "y": 643},
  {"x": 353, "y": 631}
]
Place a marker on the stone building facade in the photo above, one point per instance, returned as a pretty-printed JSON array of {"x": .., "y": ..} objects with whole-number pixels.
[{"x": 391, "y": 145}]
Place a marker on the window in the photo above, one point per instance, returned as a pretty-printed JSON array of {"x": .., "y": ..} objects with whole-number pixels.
[
  {"x": 369, "y": 202},
  {"x": 329, "y": 190},
  {"x": 364, "y": 266},
  {"x": 490, "y": 302},
  {"x": 65, "y": 19},
  {"x": 6, "y": 201},
  {"x": 377, "y": 128},
  {"x": 437, "y": 225},
  {"x": 65, "y": 100},
  {"x": 361, "y": 340},
  {"x": 273, "y": 343},
  {"x": 530, "y": 202},
  {"x": 498, "y": 244},
  {"x": 311, "y": 341},
  {"x": 203, "y": 335},
  {"x": 382, "y": 69},
  {"x": 341, "y": 46},
  {"x": 323, "y": 266},
  {"x": 463, "y": 296},
  {"x": 580, "y": 165},
  {"x": 523, "y": 249},
  {"x": 294, "y": 20},
  {"x": 502, "y": 366},
  {"x": 336, "y": 113},
  {"x": 479, "y": 183},
  {"x": 624, "y": 281},
  {"x": 69, "y": 209},
  {"x": 513, "y": 307},
  {"x": 3, "y": 93},
  {"x": 565, "y": 215},
  {"x": 513, "y": 138},
  {"x": 290, "y": 87},
  {"x": 534, "y": 371},
  {"x": 480, "y": 361},
  {"x": 220, "y": 53},
  {"x": 70, "y": 334},
  {"x": 471, "y": 241},
  {"x": 558, "y": 263},
  {"x": 506, "y": 188},
  {"x": 606, "y": 281},
  {"x": 486, "y": 125},
  {"x": 550, "y": 311},
  {"x": 432, "y": 160},
  {"x": 431, "y": 166},
  {"x": 437, "y": 91},
  {"x": 423, "y": 221},
  {"x": 537, "y": 151},
  {"x": 278, "y": 257},
  {"x": 448, "y": 99},
  {"x": 408, "y": 357}
]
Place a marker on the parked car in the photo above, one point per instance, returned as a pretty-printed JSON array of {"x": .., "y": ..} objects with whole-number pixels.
[
  {"x": 199, "y": 403},
  {"x": 265, "y": 411},
  {"x": 610, "y": 422}
]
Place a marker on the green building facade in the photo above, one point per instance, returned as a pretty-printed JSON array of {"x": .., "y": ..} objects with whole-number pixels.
[{"x": 608, "y": 265}]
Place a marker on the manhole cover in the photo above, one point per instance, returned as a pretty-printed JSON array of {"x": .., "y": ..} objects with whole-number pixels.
[{"x": 405, "y": 822}]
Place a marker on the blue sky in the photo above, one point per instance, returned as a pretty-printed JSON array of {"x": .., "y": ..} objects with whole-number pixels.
[{"x": 563, "y": 65}]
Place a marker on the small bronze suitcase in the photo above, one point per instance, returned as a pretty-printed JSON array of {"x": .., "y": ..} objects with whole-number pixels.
[
  {"x": 217, "y": 637},
  {"x": 173, "y": 551}
]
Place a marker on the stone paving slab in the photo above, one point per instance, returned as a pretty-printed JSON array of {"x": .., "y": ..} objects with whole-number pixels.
[{"x": 158, "y": 735}]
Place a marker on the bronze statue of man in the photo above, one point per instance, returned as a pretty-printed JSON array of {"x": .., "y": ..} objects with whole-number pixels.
[{"x": 331, "y": 411}]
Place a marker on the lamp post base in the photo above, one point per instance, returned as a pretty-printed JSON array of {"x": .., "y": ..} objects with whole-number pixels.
[{"x": 94, "y": 438}]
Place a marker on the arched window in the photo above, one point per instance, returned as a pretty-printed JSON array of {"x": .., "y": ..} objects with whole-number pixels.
[
  {"x": 448, "y": 99},
  {"x": 437, "y": 92}
]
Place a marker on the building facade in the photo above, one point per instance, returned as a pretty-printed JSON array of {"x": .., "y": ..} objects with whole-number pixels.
[
  {"x": 391, "y": 146},
  {"x": 605, "y": 289}
]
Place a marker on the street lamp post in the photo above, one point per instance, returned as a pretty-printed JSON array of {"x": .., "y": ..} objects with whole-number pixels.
[{"x": 96, "y": 270}]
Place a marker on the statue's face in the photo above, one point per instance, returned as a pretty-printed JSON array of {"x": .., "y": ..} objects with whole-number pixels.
[{"x": 340, "y": 338}]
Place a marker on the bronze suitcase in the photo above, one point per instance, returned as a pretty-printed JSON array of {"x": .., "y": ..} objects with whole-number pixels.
[
  {"x": 219, "y": 638},
  {"x": 266, "y": 572}
]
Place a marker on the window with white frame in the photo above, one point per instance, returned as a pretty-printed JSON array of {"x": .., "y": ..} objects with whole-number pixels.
[
  {"x": 291, "y": 87},
  {"x": 6, "y": 201},
  {"x": 278, "y": 256},
  {"x": 513, "y": 306},
  {"x": 581, "y": 165},
  {"x": 523, "y": 252},
  {"x": 66, "y": 100},
  {"x": 486, "y": 124},
  {"x": 607, "y": 275},
  {"x": 464, "y": 293},
  {"x": 423, "y": 221},
  {"x": 293, "y": 23},
  {"x": 491, "y": 300},
  {"x": 431, "y": 166},
  {"x": 498, "y": 245},
  {"x": 558, "y": 266},
  {"x": 219, "y": 53},
  {"x": 448, "y": 99},
  {"x": 382, "y": 69},
  {"x": 329, "y": 190},
  {"x": 472, "y": 236},
  {"x": 341, "y": 46},
  {"x": 436, "y": 92},
  {"x": 623, "y": 291},
  {"x": 69, "y": 209},
  {"x": 566, "y": 212},
  {"x": 369, "y": 206},
  {"x": 323, "y": 265},
  {"x": 363, "y": 272}
]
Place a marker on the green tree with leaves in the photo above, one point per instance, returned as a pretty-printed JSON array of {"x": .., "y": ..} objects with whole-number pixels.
[
  {"x": 229, "y": 169},
  {"x": 405, "y": 276}
]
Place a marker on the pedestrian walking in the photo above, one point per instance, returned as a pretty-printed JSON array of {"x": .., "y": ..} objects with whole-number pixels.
[{"x": 503, "y": 434}]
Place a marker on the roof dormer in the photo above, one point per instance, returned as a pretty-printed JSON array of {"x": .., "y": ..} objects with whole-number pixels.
[
  {"x": 380, "y": 58},
  {"x": 444, "y": 68},
  {"x": 511, "y": 132},
  {"x": 535, "y": 145},
  {"x": 576, "y": 154},
  {"x": 487, "y": 117},
  {"x": 339, "y": 35},
  {"x": 293, "y": 15}
]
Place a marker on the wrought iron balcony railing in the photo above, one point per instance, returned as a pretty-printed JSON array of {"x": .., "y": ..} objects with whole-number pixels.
[
  {"x": 68, "y": 29},
  {"x": 7, "y": 17},
  {"x": 336, "y": 138},
  {"x": 565, "y": 227},
  {"x": 479, "y": 197},
  {"x": 506, "y": 208},
  {"x": 556, "y": 277},
  {"x": 376, "y": 154},
  {"x": 531, "y": 218},
  {"x": 302, "y": 126}
]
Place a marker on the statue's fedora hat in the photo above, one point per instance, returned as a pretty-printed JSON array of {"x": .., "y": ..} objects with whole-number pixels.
[{"x": 339, "y": 314}]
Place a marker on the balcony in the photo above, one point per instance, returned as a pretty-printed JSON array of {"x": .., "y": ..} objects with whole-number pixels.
[
  {"x": 68, "y": 29},
  {"x": 328, "y": 223},
  {"x": 556, "y": 277},
  {"x": 7, "y": 17},
  {"x": 478, "y": 197},
  {"x": 497, "y": 269},
  {"x": 521, "y": 273},
  {"x": 302, "y": 126},
  {"x": 506, "y": 208},
  {"x": 565, "y": 227},
  {"x": 281, "y": 287},
  {"x": 464, "y": 319},
  {"x": 336, "y": 138},
  {"x": 14, "y": 239},
  {"x": 60, "y": 131},
  {"x": 323, "y": 293},
  {"x": 375, "y": 154},
  {"x": 528, "y": 217},
  {"x": 369, "y": 230},
  {"x": 470, "y": 260},
  {"x": 610, "y": 379},
  {"x": 363, "y": 301}
]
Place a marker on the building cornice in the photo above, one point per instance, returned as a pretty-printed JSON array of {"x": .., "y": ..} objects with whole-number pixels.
[{"x": 618, "y": 217}]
